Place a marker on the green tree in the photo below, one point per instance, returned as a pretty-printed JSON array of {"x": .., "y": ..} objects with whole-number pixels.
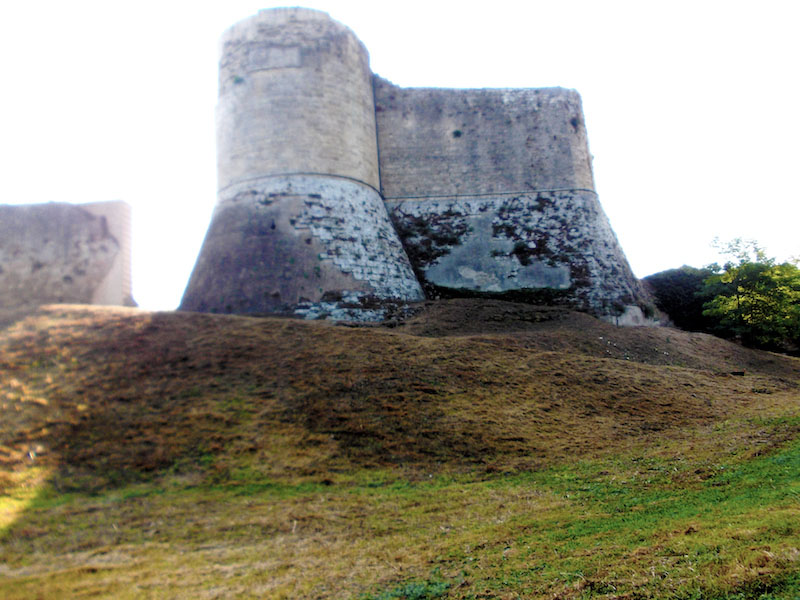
[
  {"x": 753, "y": 298},
  {"x": 678, "y": 292}
]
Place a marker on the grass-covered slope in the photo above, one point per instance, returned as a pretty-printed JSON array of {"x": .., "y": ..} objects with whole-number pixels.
[{"x": 478, "y": 450}]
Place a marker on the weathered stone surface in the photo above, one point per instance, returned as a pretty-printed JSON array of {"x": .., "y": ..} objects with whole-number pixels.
[
  {"x": 295, "y": 96},
  {"x": 299, "y": 224},
  {"x": 52, "y": 253},
  {"x": 287, "y": 241},
  {"x": 116, "y": 287},
  {"x": 437, "y": 142},
  {"x": 546, "y": 247},
  {"x": 491, "y": 190}
]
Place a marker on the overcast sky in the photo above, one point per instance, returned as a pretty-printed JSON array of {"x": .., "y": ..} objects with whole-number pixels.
[{"x": 692, "y": 109}]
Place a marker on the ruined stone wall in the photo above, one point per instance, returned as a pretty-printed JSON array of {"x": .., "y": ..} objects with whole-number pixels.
[{"x": 63, "y": 253}]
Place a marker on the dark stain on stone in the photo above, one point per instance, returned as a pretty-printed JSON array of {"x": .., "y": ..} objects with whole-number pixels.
[{"x": 426, "y": 239}]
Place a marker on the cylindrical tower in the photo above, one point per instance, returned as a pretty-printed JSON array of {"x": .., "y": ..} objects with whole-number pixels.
[{"x": 299, "y": 220}]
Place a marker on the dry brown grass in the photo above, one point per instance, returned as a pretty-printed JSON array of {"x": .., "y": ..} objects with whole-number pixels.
[{"x": 90, "y": 390}]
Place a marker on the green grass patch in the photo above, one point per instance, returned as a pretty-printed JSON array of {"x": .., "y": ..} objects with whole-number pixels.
[
  {"x": 635, "y": 524},
  {"x": 434, "y": 587}
]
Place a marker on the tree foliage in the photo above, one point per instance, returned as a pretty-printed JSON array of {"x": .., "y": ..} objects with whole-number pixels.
[
  {"x": 677, "y": 292},
  {"x": 753, "y": 298},
  {"x": 750, "y": 297}
]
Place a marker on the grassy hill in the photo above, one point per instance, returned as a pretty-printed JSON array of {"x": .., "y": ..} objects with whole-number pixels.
[{"x": 479, "y": 449}]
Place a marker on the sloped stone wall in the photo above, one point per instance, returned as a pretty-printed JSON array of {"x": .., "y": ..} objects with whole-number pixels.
[
  {"x": 546, "y": 247},
  {"x": 291, "y": 242},
  {"x": 299, "y": 226}
]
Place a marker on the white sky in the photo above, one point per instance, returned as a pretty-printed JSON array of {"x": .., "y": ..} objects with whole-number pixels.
[{"x": 692, "y": 109}]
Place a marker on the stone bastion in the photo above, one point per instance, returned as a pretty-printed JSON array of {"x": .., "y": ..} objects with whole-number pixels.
[{"x": 343, "y": 195}]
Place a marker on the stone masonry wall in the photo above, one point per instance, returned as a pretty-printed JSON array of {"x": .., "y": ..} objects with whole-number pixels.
[
  {"x": 300, "y": 226},
  {"x": 295, "y": 96},
  {"x": 490, "y": 190},
  {"x": 299, "y": 240},
  {"x": 443, "y": 141},
  {"x": 54, "y": 253},
  {"x": 540, "y": 247}
]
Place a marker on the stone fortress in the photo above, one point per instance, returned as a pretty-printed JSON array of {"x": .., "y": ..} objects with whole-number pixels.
[{"x": 343, "y": 195}]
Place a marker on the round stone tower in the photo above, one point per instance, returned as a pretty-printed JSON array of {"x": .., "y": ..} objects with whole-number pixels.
[{"x": 299, "y": 224}]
